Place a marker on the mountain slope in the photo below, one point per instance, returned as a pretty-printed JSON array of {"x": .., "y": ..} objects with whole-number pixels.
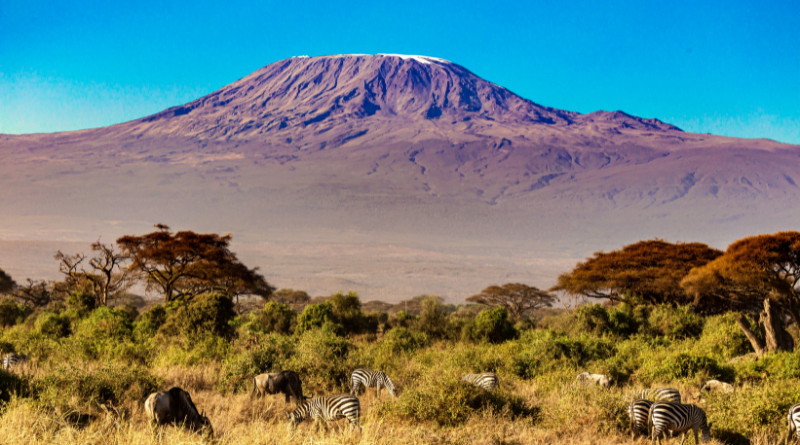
[{"x": 411, "y": 152}]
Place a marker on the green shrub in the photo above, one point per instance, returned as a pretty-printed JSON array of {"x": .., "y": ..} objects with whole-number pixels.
[
  {"x": 204, "y": 314},
  {"x": 80, "y": 304},
  {"x": 149, "y": 322},
  {"x": 320, "y": 357},
  {"x": 269, "y": 356},
  {"x": 592, "y": 318},
  {"x": 491, "y": 325},
  {"x": 544, "y": 350},
  {"x": 11, "y": 312},
  {"x": 683, "y": 366},
  {"x": 403, "y": 319},
  {"x": 52, "y": 325},
  {"x": 315, "y": 316},
  {"x": 447, "y": 401},
  {"x": 110, "y": 383},
  {"x": 105, "y": 324},
  {"x": 275, "y": 317},
  {"x": 672, "y": 322},
  {"x": 402, "y": 340},
  {"x": 723, "y": 337}
]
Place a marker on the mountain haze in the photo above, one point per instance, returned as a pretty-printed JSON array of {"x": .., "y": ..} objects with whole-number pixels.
[{"x": 392, "y": 175}]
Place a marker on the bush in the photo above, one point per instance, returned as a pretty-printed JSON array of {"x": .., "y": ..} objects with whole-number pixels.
[
  {"x": 320, "y": 357},
  {"x": 275, "y": 317},
  {"x": 238, "y": 370},
  {"x": 447, "y": 401},
  {"x": 545, "y": 350},
  {"x": 12, "y": 313},
  {"x": 105, "y": 324},
  {"x": 205, "y": 314},
  {"x": 110, "y": 383},
  {"x": 433, "y": 319},
  {"x": 402, "y": 340},
  {"x": 683, "y": 366},
  {"x": 491, "y": 325},
  {"x": 149, "y": 322},
  {"x": 52, "y": 325},
  {"x": 315, "y": 316},
  {"x": 672, "y": 322},
  {"x": 80, "y": 304}
]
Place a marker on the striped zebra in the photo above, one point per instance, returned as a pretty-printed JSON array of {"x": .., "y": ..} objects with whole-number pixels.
[
  {"x": 487, "y": 380},
  {"x": 658, "y": 395},
  {"x": 327, "y": 408},
  {"x": 12, "y": 360},
  {"x": 639, "y": 413},
  {"x": 370, "y": 379},
  {"x": 678, "y": 418},
  {"x": 794, "y": 424}
]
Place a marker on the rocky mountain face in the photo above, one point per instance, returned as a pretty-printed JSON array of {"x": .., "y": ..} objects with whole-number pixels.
[{"x": 410, "y": 152}]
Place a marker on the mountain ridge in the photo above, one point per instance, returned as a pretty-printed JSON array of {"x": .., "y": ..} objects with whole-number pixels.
[{"x": 412, "y": 159}]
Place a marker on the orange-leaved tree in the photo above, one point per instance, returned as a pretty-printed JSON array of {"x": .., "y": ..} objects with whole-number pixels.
[
  {"x": 652, "y": 270},
  {"x": 185, "y": 264},
  {"x": 756, "y": 273}
]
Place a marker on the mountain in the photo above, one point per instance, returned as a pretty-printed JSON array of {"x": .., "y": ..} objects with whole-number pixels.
[{"x": 391, "y": 175}]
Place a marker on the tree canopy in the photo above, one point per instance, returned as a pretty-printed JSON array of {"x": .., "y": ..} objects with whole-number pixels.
[
  {"x": 516, "y": 298},
  {"x": 7, "y": 284},
  {"x": 752, "y": 269},
  {"x": 755, "y": 273},
  {"x": 186, "y": 264},
  {"x": 652, "y": 270}
]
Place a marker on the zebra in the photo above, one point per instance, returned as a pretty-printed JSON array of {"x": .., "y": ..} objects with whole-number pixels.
[
  {"x": 368, "y": 379},
  {"x": 327, "y": 408},
  {"x": 658, "y": 395},
  {"x": 11, "y": 360},
  {"x": 487, "y": 380},
  {"x": 794, "y": 423},
  {"x": 679, "y": 418},
  {"x": 639, "y": 412}
]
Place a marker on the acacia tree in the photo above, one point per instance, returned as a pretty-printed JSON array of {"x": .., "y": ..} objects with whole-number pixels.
[
  {"x": 186, "y": 264},
  {"x": 651, "y": 270},
  {"x": 756, "y": 274},
  {"x": 107, "y": 278},
  {"x": 290, "y": 297},
  {"x": 35, "y": 293},
  {"x": 516, "y": 298}
]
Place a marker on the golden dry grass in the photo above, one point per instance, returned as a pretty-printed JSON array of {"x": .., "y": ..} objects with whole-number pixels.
[{"x": 239, "y": 419}]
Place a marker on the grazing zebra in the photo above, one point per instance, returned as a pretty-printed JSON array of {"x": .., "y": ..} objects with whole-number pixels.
[
  {"x": 487, "y": 380},
  {"x": 658, "y": 395},
  {"x": 369, "y": 379},
  {"x": 794, "y": 424},
  {"x": 639, "y": 412},
  {"x": 327, "y": 408},
  {"x": 11, "y": 360},
  {"x": 679, "y": 418}
]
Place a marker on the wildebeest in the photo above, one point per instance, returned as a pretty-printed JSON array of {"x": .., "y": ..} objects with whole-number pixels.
[
  {"x": 175, "y": 407},
  {"x": 715, "y": 386},
  {"x": 587, "y": 379},
  {"x": 286, "y": 382}
]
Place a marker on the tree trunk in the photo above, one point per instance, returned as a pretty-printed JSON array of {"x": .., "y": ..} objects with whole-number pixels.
[
  {"x": 772, "y": 330},
  {"x": 758, "y": 344},
  {"x": 777, "y": 339}
]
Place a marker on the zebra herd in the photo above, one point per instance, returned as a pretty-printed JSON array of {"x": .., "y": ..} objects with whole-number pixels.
[
  {"x": 652, "y": 412},
  {"x": 320, "y": 409}
]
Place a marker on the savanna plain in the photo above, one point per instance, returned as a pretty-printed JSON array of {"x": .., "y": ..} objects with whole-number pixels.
[{"x": 92, "y": 365}]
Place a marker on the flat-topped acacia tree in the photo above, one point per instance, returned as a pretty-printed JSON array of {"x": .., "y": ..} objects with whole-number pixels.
[
  {"x": 758, "y": 275},
  {"x": 516, "y": 298},
  {"x": 185, "y": 264},
  {"x": 651, "y": 270}
]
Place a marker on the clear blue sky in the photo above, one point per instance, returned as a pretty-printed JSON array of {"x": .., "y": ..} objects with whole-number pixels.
[{"x": 725, "y": 67}]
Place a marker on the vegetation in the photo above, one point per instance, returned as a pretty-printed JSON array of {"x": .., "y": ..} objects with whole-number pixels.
[{"x": 93, "y": 365}]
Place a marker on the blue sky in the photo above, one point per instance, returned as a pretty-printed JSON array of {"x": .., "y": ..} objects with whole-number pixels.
[{"x": 730, "y": 68}]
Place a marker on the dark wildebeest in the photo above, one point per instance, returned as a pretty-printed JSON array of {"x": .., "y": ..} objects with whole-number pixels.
[
  {"x": 176, "y": 407},
  {"x": 286, "y": 382}
]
